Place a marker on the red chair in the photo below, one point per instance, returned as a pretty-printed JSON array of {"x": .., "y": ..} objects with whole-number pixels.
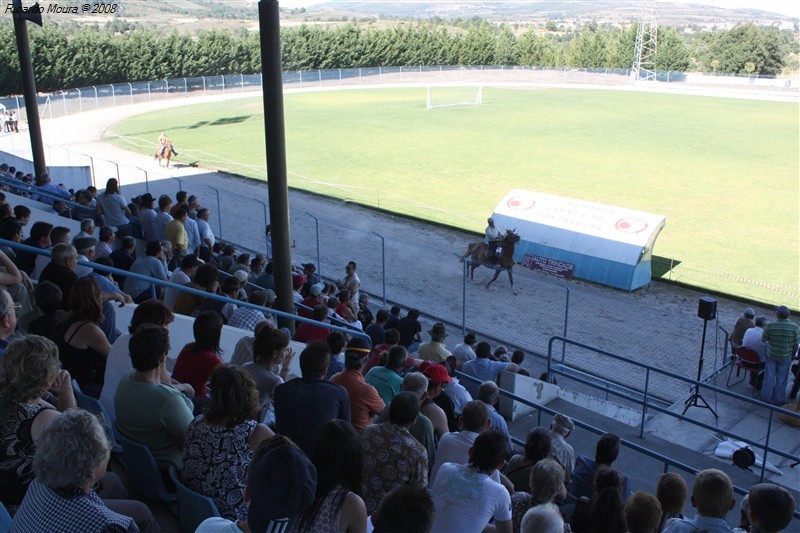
[{"x": 747, "y": 360}]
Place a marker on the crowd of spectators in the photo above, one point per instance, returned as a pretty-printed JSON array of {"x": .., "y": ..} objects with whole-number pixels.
[{"x": 374, "y": 434}]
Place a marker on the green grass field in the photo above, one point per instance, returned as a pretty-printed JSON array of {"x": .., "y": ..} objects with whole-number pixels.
[{"x": 725, "y": 172}]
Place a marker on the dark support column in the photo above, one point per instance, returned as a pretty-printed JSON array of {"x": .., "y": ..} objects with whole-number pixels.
[
  {"x": 28, "y": 82},
  {"x": 272, "y": 84}
]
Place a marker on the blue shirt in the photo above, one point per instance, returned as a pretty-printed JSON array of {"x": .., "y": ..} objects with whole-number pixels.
[
  {"x": 582, "y": 483},
  {"x": 484, "y": 369}
]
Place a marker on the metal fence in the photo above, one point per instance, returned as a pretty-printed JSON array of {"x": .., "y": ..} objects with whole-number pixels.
[{"x": 78, "y": 100}]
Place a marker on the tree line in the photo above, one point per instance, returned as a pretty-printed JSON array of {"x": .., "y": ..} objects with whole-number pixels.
[{"x": 91, "y": 56}]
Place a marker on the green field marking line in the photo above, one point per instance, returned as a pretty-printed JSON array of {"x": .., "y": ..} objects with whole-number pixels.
[{"x": 723, "y": 171}]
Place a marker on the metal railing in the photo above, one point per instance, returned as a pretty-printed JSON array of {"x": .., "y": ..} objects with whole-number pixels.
[
  {"x": 646, "y": 404},
  {"x": 666, "y": 461}
]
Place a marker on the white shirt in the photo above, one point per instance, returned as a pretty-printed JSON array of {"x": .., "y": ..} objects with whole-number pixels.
[
  {"x": 458, "y": 394},
  {"x": 193, "y": 235},
  {"x": 463, "y": 353},
  {"x": 466, "y": 500},
  {"x": 162, "y": 219},
  {"x": 752, "y": 340},
  {"x": 178, "y": 277},
  {"x": 205, "y": 231},
  {"x": 147, "y": 218},
  {"x": 218, "y": 525},
  {"x": 117, "y": 365},
  {"x": 454, "y": 448}
]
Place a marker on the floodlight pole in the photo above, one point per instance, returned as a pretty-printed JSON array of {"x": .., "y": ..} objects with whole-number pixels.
[
  {"x": 28, "y": 82},
  {"x": 277, "y": 185}
]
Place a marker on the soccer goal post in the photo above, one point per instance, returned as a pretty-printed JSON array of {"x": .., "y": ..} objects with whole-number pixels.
[{"x": 454, "y": 96}]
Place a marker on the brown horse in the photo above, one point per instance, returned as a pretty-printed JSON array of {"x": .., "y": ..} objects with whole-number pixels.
[
  {"x": 478, "y": 254},
  {"x": 166, "y": 154}
]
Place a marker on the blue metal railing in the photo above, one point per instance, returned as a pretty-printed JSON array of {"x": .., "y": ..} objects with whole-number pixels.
[{"x": 558, "y": 369}]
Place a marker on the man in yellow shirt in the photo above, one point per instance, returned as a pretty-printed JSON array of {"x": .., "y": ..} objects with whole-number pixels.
[{"x": 176, "y": 234}]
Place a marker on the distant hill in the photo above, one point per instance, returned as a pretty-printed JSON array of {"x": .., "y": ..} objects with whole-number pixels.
[{"x": 617, "y": 10}]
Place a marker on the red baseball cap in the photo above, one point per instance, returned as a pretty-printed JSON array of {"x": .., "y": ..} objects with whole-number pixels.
[{"x": 437, "y": 373}]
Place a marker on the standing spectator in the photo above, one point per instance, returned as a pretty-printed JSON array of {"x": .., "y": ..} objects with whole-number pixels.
[
  {"x": 192, "y": 234},
  {"x": 743, "y": 323},
  {"x": 410, "y": 330},
  {"x": 463, "y": 352},
  {"x": 392, "y": 457},
  {"x": 465, "y": 496},
  {"x": 351, "y": 283},
  {"x": 180, "y": 198},
  {"x": 163, "y": 217},
  {"x": 206, "y": 235},
  {"x": 337, "y": 505},
  {"x": 114, "y": 207},
  {"x": 782, "y": 337},
  {"x": 199, "y": 358},
  {"x": 149, "y": 411},
  {"x": 309, "y": 272},
  {"x": 364, "y": 399},
  {"x": 149, "y": 265},
  {"x": 560, "y": 429},
  {"x": 220, "y": 442},
  {"x": 712, "y": 496},
  {"x": 435, "y": 350},
  {"x": 304, "y": 405},
  {"x": 176, "y": 234}
]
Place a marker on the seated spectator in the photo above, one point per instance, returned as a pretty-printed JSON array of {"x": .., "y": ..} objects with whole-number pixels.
[
  {"x": 105, "y": 244},
  {"x": 364, "y": 399},
  {"x": 392, "y": 457},
  {"x": 181, "y": 276},
  {"x": 337, "y": 505},
  {"x": 712, "y": 496},
  {"x": 241, "y": 277},
  {"x": 149, "y": 265},
  {"x": 336, "y": 342},
  {"x": 387, "y": 379},
  {"x": 28, "y": 369},
  {"x": 39, "y": 238},
  {"x": 377, "y": 356},
  {"x": 543, "y": 518},
  {"x": 243, "y": 351},
  {"x": 465, "y": 496},
  {"x": 547, "y": 483},
  {"x": 560, "y": 429},
  {"x": 10, "y": 230},
  {"x": 205, "y": 279},
  {"x": 106, "y": 282},
  {"x": 743, "y": 323},
  {"x": 227, "y": 258},
  {"x": 48, "y": 301},
  {"x": 406, "y": 508},
  {"x": 61, "y": 271},
  {"x": 671, "y": 492},
  {"x": 23, "y": 214},
  {"x": 46, "y": 190},
  {"x": 271, "y": 351},
  {"x": 538, "y": 446},
  {"x": 123, "y": 258},
  {"x": 364, "y": 315},
  {"x": 257, "y": 265},
  {"x": 310, "y": 333},
  {"x": 229, "y": 289},
  {"x": 606, "y": 453},
  {"x": 87, "y": 249},
  {"x": 303, "y": 405},
  {"x": 87, "y": 229},
  {"x": 242, "y": 262},
  {"x": 642, "y": 513},
  {"x": 483, "y": 368},
  {"x": 247, "y": 317},
  {"x": 62, "y": 496},
  {"x": 455, "y": 390},
  {"x": 410, "y": 330},
  {"x": 199, "y": 358},
  {"x": 297, "y": 283},
  {"x": 281, "y": 483},
  {"x": 375, "y": 330},
  {"x": 463, "y": 352},
  {"x": 149, "y": 411},
  {"x": 58, "y": 235},
  {"x": 83, "y": 347},
  {"x": 8, "y": 320},
  {"x": 517, "y": 358},
  {"x": 266, "y": 280},
  {"x": 435, "y": 350},
  {"x": 313, "y": 300},
  {"x": 118, "y": 362},
  {"x": 438, "y": 379},
  {"x": 454, "y": 447},
  {"x": 771, "y": 508},
  {"x": 605, "y": 511},
  {"x": 220, "y": 443},
  {"x": 489, "y": 393}
]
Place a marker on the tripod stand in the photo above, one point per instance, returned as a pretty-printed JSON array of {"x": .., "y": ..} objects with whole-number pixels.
[{"x": 696, "y": 399}]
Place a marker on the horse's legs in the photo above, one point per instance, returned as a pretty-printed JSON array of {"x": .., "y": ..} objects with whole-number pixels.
[
  {"x": 511, "y": 281},
  {"x": 496, "y": 274},
  {"x": 472, "y": 267}
]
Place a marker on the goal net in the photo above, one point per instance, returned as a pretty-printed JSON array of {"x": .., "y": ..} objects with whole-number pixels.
[{"x": 454, "y": 96}]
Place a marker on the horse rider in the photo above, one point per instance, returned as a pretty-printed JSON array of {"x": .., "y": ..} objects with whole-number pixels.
[
  {"x": 163, "y": 141},
  {"x": 492, "y": 238}
]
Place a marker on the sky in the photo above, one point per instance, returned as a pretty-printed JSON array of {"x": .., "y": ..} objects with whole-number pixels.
[{"x": 790, "y": 8}]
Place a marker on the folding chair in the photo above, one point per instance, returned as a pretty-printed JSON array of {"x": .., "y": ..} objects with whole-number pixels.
[
  {"x": 747, "y": 360},
  {"x": 193, "y": 508},
  {"x": 143, "y": 471}
]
